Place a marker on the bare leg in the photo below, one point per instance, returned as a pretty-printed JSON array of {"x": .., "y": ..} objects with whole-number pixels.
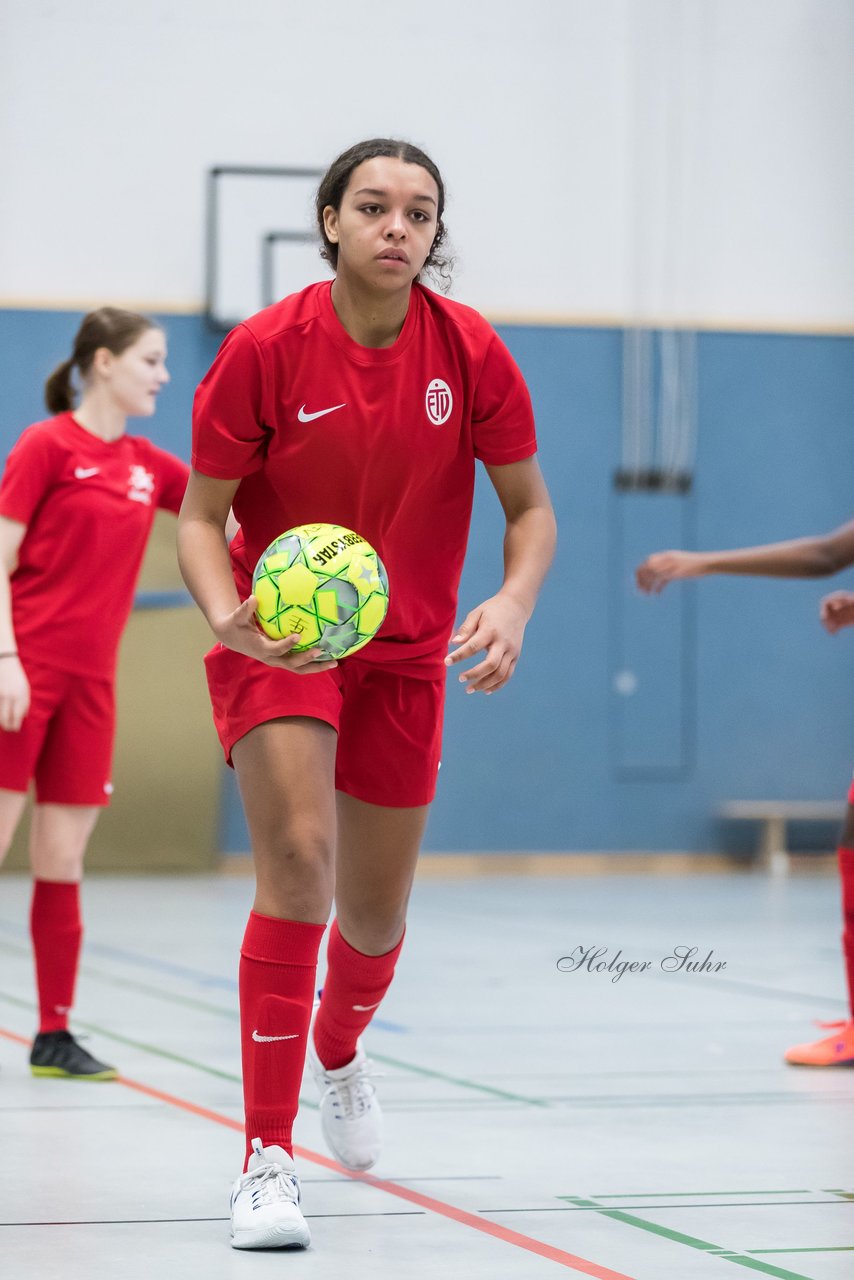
[
  {"x": 377, "y": 853},
  {"x": 375, "y": 866},
  {"x": 285, "y": 770},
  {"x": 376, "y": 857},
  {"x": 11, "y": 807},
  {"x": 58, "y": 838}
]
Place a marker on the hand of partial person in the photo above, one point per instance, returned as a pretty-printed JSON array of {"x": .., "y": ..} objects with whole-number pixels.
[
  {"x": 498, "y": 626},
  {"x": 240, "y": 631},
  {"x": 837, "y": 611},
  {"x": 14, "y": 695},
  {"x": 664, "y": 566}
]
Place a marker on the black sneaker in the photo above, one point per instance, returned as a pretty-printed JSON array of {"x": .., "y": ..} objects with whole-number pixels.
[{"x": 57, "y": 1053}]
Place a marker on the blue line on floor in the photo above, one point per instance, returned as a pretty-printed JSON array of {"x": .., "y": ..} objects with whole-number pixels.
[{"x": 177, "y": 970}]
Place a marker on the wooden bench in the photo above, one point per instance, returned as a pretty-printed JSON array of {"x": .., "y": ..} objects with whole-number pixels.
[{"x": 773, "y": 815}]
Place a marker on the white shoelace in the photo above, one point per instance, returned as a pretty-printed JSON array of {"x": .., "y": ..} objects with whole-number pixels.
[
  {"x": 352, "y": 1098},
  {"x": 269, "y": 1184}
]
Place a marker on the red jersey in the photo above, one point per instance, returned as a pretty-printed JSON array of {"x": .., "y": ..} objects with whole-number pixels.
[
  {"x": 380, "y": 440},
  {"x": 88, "y": 505}
]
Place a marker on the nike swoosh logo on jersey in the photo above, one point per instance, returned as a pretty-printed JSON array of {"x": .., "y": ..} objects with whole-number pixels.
[
  {"x": 269, "y": 1039},
  {"x": 321, "y": 413},
  {"x": 83, "y": 473}
]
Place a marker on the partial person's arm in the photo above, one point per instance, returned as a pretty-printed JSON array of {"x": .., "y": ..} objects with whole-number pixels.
[
  {"x": 837, "y": 611},
  {"x": 14, "y": 686},
  {"x": 498, "y": 625},
  {"x": 206, "y": 569},
  {"x": 817, "y": 557}
]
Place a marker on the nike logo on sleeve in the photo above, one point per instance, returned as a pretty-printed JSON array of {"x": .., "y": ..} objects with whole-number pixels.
[{"x": 310, "y": 417}]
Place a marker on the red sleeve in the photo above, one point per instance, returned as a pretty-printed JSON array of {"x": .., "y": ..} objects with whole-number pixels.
[
  {"x": 173, "y": 475},
  {"x": 31, "y": 468},
  {"x": 502, "y": 417},
  {"x": 230, "y": 431}
]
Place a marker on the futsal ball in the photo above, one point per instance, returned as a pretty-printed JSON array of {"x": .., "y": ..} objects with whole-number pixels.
[{"x": 326, "y": 584}]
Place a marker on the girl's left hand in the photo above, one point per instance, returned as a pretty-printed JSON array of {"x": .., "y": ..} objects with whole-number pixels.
[{"x": 498, "y": 626}]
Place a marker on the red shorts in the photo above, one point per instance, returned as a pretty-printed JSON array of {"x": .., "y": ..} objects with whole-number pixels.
[
  {"x": 389, "y": 725},
  {"x": 66, "y": 740}
]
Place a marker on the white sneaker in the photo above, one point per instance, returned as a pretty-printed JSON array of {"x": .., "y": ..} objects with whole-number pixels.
[
  {"x": 349, "y": 1111},
  {"x": 265, "y": 1212}
]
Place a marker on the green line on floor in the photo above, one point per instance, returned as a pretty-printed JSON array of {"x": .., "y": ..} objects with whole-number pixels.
[
  {"x": 172, "y": 997},
  {"x": 678, "y": 1237},
  {"x": 135, "y": 1044},
  {"x": 149, "y": 1048},
  {"x": 233, "y": 1015},
  {"x": 619, "y": 1216},
  {"x": 131, "y": 984},
  {"x": 821, "y": 1248},
  {"x": 673, "y": 1195},
  {"x": 717, "y": 1204},
  {"x": 464, "y": 1084}
]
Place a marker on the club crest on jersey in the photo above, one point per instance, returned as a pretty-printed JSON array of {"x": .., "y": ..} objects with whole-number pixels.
[
  {"x": 438, "y": 402},
  {"x": 140, "y": 485}
]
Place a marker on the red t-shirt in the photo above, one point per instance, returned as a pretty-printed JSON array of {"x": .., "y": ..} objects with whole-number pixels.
[
  {"x": 88, "y": 505},
  {"x": 380, "y": 440}
]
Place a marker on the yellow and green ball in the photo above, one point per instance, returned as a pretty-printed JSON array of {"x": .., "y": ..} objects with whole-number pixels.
[{"x": 324, "y": 583}]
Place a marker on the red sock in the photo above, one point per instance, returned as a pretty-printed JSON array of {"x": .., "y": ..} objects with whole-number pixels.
[
  {"x": 278, "y": 971},
  {"x": 355, "y": 984},
  {"x": 57, "y": 932},
  {"x": 846, "y": 871}
]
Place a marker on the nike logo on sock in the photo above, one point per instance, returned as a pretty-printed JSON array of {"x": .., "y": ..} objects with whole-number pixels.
[
  {"x": 310, "y": 417},
  {"x": 366, "y": 1008},
  {"x": 269, "y": 1039}
]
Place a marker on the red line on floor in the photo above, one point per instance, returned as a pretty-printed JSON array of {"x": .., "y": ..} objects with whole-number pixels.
[
  {"x": 172, "y": 1101},
  {"x": 528, "y": 1243},
  {"x": 10, "y": 1035},
  {"x": 488, "y": 1228}
]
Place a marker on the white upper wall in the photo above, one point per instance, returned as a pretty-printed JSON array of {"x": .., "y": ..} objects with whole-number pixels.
[{"x": 681, "y": 160}]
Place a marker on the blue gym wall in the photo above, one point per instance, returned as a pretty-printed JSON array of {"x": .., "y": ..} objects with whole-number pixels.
[{"x": 740, "y": 693}]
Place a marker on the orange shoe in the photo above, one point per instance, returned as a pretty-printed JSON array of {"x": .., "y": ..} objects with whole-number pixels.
[{"x": 837, "y": 1050}]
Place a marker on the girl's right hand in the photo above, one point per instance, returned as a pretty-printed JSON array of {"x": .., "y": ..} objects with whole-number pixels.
[
  {"x": 14, "y": 694},
  {"x": 657, "y": 570},
  {"x": 240, "y": 631}
]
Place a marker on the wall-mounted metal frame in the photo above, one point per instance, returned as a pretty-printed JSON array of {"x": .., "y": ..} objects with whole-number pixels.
[
  {"x": 216, "y": 319},
  {"x": 268, "y": 245}
]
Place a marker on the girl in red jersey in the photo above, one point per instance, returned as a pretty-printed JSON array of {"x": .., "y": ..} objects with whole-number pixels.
[
  {"x": 77, "y": 500},
  {"x": 362, "y": 402},
  {"x": 815, "y": 557}
]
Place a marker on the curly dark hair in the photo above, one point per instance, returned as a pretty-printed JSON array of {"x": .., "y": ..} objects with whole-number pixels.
[{"x": 334, "y": 183}]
